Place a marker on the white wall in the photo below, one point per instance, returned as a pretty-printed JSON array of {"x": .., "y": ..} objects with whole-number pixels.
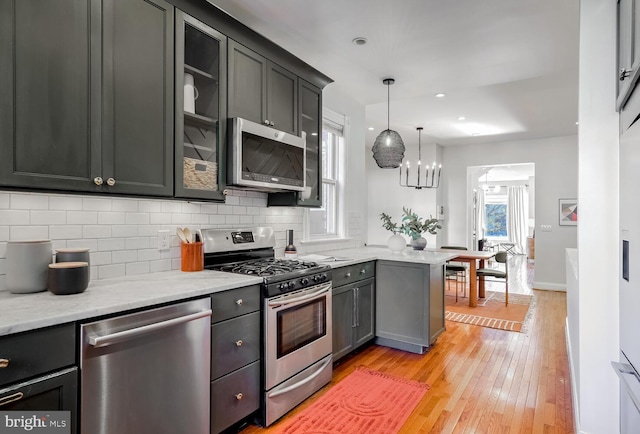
[
  {"x": 598, "y": 226},
  {"x": 555, "y": 178}
]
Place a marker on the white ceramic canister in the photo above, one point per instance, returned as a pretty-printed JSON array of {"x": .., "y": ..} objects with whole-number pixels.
[
  {"x": 28, "y": 266},
  {"x": 190, "y": 94}
]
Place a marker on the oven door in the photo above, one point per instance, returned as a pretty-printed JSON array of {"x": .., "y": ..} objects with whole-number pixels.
[{"x": 297, "y": 332}]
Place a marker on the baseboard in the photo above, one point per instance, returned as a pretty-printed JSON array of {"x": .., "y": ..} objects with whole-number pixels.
[
  {"x": 550, "y": 286},
  {"x": 574, "y": 387}
]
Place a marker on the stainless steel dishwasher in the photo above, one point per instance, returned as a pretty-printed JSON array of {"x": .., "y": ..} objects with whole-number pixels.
[{"x": 147, "y": 372}]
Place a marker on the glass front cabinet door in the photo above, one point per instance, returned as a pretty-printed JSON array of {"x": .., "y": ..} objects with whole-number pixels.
[{"x": 200, "y": 115}]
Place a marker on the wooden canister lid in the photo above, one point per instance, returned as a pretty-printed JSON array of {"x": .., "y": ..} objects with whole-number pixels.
[
  {"x": 73, "y": 250},
  {"x": 69, "y": 265}
]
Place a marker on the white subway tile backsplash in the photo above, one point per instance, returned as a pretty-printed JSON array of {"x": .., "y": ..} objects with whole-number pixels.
[
  {"x": 3, "y": 250},
  {"x": 148, "y": 255},
  {"x": 149, "y": 206},
  {"x": 109, "y": 271},
  {"x": 232, "y": 219},
  {"x": 137, "y": 268},
  {"x": 65, "y": 203},
  {"x": 216, "y": 219},
  {"x": 137, "y": 243},
  {"x": 124, "y": 205},
  {"x": 48, "y": 217},
  {"x": 82, "y": 217},
  {"x": 172, "y": 207},
  {"x": 12, "y": 217},
  {"x": 100, "y": 258},
  {"x": 107, "y": 244},
  {"x": 190, "y": 208},
  {"x": 200, "y": 219},
  {"x": 180, "y": 219},
  {"x": 124, "y": 256},
  {"x": 65, "y": 232},
  {"x": 96, "y": 231},
  {"x": 4, "y": 233},
  {"x": 240, "y": 210},
  {"x": 111, "y": 218},
  {"x": 225, "y": 209},
  {"x": 259, "y": 201},
  {"x": 4, "y": 200},
  {"x": 29, "y": 201},
  {"x": 207, "y": 208},
  {"x": 21, "y": 233},
  {"x": 90, "y": 244},
  {"x": 160, "y": 218},
  {"x": 232, "y": 200},
  {"x": 160, "y": 265},
  {"x": 137, "y": 218},
  {"x": 246, "y": 201},
  {"x": 96, "y": 204},
  {"x": 246, "y": 219},
  {"x": 124, "y": 231},
  {"x": 2, "y": 266}
]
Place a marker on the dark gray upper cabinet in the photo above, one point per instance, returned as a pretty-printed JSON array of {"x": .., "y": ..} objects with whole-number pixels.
[
  {"x": 201, "y": 67},
  {"x": 310, "y": 121},
  {"x": 84, "y": 110},
  {"x": 260, "y": 90}
]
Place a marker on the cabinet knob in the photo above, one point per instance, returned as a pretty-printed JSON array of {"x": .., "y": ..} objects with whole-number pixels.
[
  {"x": 111, "y": 182},
  {"x": 239, "y": 396},
  {"x": 239, "y": 302},
  {"x": 266, "y": 121},
  {"x": 624, "y": 73},
  {"x": 4, "y": 363},
  {"x": 97, "y": 180},
  {"x": 239, "y": 343},
  {"x": 271, "y": 123},
  {"x": 363, "y": 271},
  {"x": 347, "y": 275}
]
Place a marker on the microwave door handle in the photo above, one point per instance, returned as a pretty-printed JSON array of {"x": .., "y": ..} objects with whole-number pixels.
[
  {"x": 281, "y": 302},
  {"x": 630, "y": 380}
]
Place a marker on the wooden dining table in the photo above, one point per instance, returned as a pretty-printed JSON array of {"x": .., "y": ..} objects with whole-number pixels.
[{"x": 476, "y": 289}]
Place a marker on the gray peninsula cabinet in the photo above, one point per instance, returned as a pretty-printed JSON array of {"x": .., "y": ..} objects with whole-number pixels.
[
  {"x": 261, "y": 91},
  {"x": 201, "y": 71},
  {"x": 354, "y": 301},
  {"x": 410, "y": 305},
  {"x": 86, "y": 95},
  {"x": 235, "y": 356},
  {"x": 38, "y": 372}
]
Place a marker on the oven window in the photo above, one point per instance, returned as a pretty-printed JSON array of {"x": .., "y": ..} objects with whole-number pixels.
[{"x": 301, "y": 325}]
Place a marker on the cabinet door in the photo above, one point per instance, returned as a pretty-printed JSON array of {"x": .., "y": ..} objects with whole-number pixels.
[
  {"x": 54, "y": 392},
  {"x": 45, "y": 98},
  {"x": 137, "y": 77},
  {"x": 342, "y": 306},
  {"x": 365, "y": 311},
  {"x": 201, "y": 67},
  {"x": 247, "y": 96},
  {"x": 628, "y": 49},
  {"x": 282, "y": 99},
  {"x": 311, "y": 124}
]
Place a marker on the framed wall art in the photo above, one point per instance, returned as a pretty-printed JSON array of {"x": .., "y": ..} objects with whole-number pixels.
[{"x": 568, "y": 212}]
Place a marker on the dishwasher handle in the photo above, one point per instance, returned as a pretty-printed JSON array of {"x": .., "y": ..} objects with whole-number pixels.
[{"x": 114, "y": 338}]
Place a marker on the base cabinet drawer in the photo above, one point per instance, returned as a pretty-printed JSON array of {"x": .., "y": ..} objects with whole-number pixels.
[
  {"x": 234, "y": 343},
  {"x": 229, "y": 304},
  {"x": 234, "y": 397}
]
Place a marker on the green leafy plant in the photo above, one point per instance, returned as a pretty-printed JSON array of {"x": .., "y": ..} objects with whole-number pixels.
[{"x": 412, "y": 224}]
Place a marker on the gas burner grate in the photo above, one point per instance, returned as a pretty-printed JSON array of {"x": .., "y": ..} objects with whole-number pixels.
[{"x": 267, "y": 267}]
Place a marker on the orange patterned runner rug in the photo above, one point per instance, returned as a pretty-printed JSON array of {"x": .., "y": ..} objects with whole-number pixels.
[
  {"x": 491, "y": 312},
  {"x": 366, "y": 401}
]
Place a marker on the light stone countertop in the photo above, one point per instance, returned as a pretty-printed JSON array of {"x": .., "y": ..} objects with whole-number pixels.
[
  {"x": 22, "y": 312},
  {"x": 344, "y": 257}
]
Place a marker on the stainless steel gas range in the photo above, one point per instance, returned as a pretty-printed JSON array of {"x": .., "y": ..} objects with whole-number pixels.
[{"x": 296, "y": 314}]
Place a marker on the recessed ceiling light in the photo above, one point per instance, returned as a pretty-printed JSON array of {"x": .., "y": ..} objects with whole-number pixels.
[
  {"x": 461, "y": 118},
  {"x": 370, "y": 128},
  {"x": 440, "y": 95},
  {"x": 359, "y": 40}
]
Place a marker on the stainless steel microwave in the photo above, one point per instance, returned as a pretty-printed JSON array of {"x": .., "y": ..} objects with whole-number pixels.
[{"x": 264, "y": 158}]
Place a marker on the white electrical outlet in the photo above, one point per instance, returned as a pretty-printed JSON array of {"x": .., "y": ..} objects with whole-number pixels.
[
  {"x": 164, "y": 240},
  {"x": 545, "y": 228}
]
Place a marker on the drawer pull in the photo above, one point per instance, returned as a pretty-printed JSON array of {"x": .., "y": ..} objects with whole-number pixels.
[
  {"x": 239, "y": 302},
  {"x": 239, "y": 343},
  {"x": 239, "y": 396},
  {"x": 363, "y": 271},
  {"x": 11, "y": 398},
  {"x": 347, "y": 275},
  {"x": 4, "y": 363}
]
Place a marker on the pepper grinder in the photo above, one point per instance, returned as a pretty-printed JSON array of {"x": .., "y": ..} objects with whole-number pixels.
[{"x": 290, "y": 252}]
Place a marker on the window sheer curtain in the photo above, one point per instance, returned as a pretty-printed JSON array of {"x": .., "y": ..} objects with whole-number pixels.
[
  {"x": 517, "y": 217},
  {"x": 480, "y": 217}
]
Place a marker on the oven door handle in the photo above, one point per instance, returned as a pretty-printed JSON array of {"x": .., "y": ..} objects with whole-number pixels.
[
  {"x": 282, "y": 302},
  {"x": 301, "y": 383}
]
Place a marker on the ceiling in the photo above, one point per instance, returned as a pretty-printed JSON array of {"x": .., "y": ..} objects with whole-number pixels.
[{"x": 509, "y": 67}]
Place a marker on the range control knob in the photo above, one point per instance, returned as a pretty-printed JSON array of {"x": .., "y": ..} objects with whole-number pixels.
[
  {"x": 283, "y": 286},
  {"x": 317, "y": 278},
  {"x": 304, "y": 281}
]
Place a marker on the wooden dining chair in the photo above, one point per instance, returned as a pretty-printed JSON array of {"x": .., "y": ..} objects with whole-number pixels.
[
  {"x": 457, "y": 269},
  {"x": 497, "y": 275}
]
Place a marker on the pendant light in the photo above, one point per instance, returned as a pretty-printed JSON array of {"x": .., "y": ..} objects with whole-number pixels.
[
  {"x": 388, "y": 149},
  {"x": 433, "y": 183}
]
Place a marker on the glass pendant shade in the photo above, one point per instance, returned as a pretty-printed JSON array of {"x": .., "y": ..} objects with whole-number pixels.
[{"x": 388, "y": 149}]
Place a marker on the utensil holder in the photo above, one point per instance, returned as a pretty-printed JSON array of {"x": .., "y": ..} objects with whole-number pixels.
[{"x": 192, "y": 257}]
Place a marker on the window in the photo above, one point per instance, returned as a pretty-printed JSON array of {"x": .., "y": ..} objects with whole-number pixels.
[
  {"x": 327, "y": 222},
  {"x": 496, "y": 216}
]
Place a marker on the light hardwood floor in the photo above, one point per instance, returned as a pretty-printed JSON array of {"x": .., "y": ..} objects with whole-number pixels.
[{"x": 483, "y": 380}]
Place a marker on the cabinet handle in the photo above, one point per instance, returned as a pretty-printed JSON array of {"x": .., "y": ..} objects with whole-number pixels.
[
  {"x": 239, "y": 396},
  {"x": 97, "y": 180},
  {"x": 239, "y": 343},
  {"x": 353, "y": 308},
  {"x": 271, "y": 124},
  {"x": 4, "y": 363},
  {"x": 11, "y": 398},
  {"x": 239, "y": 302},
  {"x": 111, "y": 182},
  {"x": 266, "y": 122},
  {"x": 347, "y": 275},
  {"x": 624, "y": 73},
  {"x": 357, "y": 307}
]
